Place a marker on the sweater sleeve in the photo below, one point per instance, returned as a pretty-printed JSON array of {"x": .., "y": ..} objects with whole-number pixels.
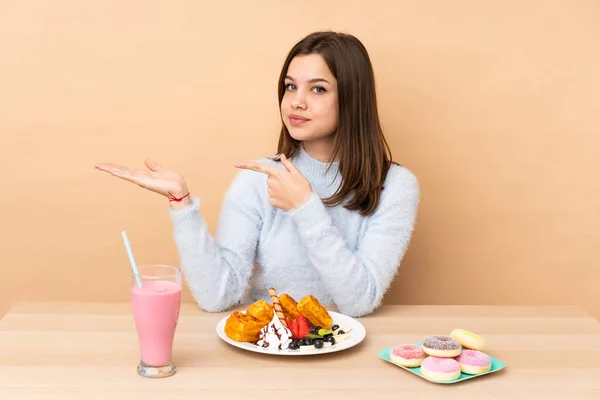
[
  {"x": 218, "y": 269},
  {"x": 358, "y": 280}
]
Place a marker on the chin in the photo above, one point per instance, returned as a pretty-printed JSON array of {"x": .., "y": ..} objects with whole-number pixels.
[{"x": 302, "y": 135}]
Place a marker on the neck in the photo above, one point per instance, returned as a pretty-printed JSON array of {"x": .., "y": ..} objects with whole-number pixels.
[
  {"x": 314, "y": 169},
  {"x": 321, "y": 150}
]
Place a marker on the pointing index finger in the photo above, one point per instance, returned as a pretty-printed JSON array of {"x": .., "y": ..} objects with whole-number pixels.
[{"x": 258, "y": 167}]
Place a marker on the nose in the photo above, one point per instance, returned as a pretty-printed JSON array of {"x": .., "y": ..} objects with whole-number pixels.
[{"x": 299, "y": 101}]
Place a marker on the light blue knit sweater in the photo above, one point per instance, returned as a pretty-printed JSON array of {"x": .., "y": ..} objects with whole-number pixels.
[{"x": 337, "y": 255}]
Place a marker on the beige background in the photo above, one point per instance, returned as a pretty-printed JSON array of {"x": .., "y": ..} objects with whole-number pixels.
[{"x": 494, "y": 105}]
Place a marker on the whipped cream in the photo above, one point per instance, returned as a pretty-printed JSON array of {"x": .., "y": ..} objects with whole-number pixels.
[{"x": 275, "y": 336}]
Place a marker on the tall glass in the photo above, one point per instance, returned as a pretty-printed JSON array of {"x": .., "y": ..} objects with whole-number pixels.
[{"x": 156, "y": 311}]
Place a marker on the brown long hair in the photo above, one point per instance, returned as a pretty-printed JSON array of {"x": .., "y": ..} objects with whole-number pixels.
[{"x": 362, "y": 152}]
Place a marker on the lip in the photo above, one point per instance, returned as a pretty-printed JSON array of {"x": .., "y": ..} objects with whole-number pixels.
[{"x": 297, "y": 119}]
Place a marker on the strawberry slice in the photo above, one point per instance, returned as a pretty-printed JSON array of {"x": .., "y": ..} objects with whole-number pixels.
[
  {"x": 303, "y": 328},
  {"x": 293, "y": 326}
]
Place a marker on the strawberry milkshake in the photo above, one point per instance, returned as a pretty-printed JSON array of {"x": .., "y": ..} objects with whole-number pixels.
[{"x": 156, "y": 311}]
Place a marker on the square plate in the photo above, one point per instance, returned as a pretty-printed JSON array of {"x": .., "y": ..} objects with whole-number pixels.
[{"x": 497, "y": 365}]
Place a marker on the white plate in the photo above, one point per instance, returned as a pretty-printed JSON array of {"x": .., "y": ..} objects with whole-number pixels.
[{"x": 356, "y": 335}]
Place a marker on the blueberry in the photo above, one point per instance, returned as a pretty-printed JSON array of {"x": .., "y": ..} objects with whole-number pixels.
[
  {"x": 317, "y": 328},
  {"x": 265, "y": 344},
  {"x": 309, "y": 342},
  {"x": 341, "y": 332},
  {"x": 301, "y": 342},
  {"x": 293, "y": 346},
  {"x": 318, "y": 344},
  {"x": 330, "y": 339},
  {"x": 328, "y": 335},
  {"x": 335, "y": 327}
]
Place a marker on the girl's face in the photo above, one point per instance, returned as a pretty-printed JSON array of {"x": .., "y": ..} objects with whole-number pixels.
[{"x": 309, "y": 108}]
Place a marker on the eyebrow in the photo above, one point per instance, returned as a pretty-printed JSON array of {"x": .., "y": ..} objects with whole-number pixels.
[{"x": 310, "y": 81}]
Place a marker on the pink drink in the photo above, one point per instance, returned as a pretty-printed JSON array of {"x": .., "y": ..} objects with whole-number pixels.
[{"x": 156, "y": 311}]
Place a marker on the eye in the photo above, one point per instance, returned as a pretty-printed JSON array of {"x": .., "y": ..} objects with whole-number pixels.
[
  {"x": 290, "y": 86},
  {"x": 319, "y": 90}
]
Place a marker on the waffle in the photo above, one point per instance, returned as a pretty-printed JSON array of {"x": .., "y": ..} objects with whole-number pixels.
[
  {"x": 246, "y": 327},
  {"x": 314, "y": 312},
  {"x": 262, "y": 311},
  {"x": 289, "y": 306}
]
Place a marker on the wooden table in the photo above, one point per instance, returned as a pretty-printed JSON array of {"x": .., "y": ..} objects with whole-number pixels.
[{"x": 90, "y": 351}]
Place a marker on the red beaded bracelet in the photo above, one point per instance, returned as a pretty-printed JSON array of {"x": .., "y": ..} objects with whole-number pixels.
[{"x": 173, "y": 198}]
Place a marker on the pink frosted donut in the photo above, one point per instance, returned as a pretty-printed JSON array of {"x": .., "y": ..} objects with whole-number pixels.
[
  {"x": 408, "y": 355},
  {"x": 438, "y": 369},
  {"x": 474, "y": 362}
]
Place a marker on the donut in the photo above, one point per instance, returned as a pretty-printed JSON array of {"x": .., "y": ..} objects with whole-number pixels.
[
  {"x": 474, "y": 362},
  {"x": 408, "y": 355},
  {"x": 441, "y": 346},
  {"x": 468, "y": 339},
  {"x": 439, "y": 369}
]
